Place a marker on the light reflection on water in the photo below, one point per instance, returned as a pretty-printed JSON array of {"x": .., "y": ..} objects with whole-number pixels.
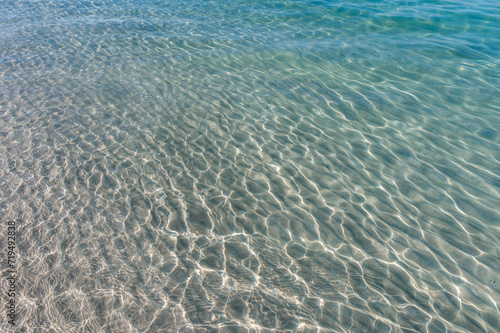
[{"x": 252, "y": 166}]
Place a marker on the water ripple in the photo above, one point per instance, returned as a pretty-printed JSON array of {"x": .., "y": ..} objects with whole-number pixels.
[{"x": 252, "y": 166}]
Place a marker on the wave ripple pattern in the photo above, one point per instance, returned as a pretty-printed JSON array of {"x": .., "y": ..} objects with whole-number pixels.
[{"x": 252, "y": 166}]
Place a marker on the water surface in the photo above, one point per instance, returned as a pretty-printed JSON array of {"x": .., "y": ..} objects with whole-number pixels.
[{"x": 252, "y": 166}]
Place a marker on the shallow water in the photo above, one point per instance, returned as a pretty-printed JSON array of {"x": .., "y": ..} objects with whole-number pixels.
[{"x": 245, "y": 166}]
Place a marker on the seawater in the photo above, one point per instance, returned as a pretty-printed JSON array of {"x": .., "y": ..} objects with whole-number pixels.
[{"x": 251, "y": 166}]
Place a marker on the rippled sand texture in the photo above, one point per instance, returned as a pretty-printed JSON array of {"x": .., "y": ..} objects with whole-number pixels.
[{"x": 252, "y": 166}]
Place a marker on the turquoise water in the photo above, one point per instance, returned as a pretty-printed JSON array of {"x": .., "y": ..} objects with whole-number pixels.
[{"x": 252, "y": 166}]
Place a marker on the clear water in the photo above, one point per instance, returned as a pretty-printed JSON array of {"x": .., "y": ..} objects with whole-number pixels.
[{"x": 247, "y": 166}]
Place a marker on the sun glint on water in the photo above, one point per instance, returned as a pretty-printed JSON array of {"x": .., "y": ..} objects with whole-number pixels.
[{"x": 251, "y": 166}]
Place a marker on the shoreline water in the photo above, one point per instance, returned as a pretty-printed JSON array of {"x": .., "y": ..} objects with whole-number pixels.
[{"x": 256, "y": 166}]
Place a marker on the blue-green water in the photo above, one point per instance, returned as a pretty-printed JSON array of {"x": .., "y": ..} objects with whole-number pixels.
[{"x": 251, "y": 166}]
